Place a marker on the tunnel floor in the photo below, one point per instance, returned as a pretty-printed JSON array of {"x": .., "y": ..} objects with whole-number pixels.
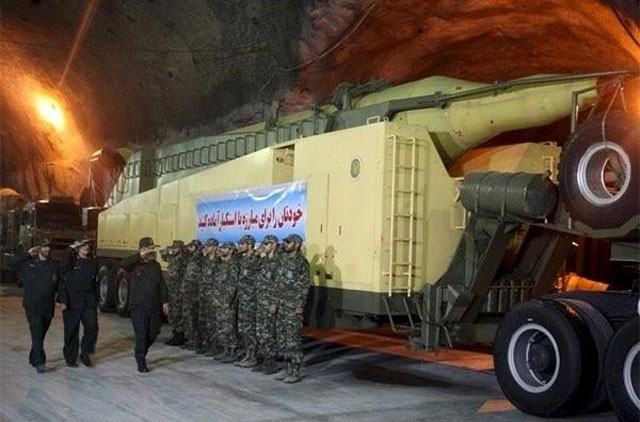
[{"x": 341, "y": 383}]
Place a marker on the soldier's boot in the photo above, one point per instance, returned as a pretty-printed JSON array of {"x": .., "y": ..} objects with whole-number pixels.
[
  {"x": 186, "y": 345},
  {"x": 284, "y": 374},
  {"x": 294, "y": 376},
  {"x": 196, "y": 342},
  {"x": 269, "y": 367},
  {"x": 192, "y": 343},
  {"x": 242, "y": 361},
  {"x": 212, "y": 351},
  {"x": 249, "y": 360},
  {"x": 230, "y": 355},
  {"x": 241, "y": 355},
  {"x": 176, "y": 340},
  {"x": 222, "y": 353},
  {"x": 142, "y": 365},
  {"x": 259, "y": 365}
]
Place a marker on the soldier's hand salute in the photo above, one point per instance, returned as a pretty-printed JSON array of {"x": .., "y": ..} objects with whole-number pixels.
[
  {"x": 41, "y": 280},
  {"x": 148, "y": 294},
  {"x": 80, "y": 294}
]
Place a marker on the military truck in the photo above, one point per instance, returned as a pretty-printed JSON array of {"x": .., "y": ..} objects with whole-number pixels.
[
  {"x": 451, "y": 248},
  {"x": 57, "y": 218}
]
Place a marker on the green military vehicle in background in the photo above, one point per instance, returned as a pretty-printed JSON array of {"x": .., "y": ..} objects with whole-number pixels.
[{"x": 23, "y": 224}]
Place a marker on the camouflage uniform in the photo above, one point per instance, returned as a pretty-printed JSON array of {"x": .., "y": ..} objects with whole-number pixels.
[
  {"x": 265, "y": 295},
  {"x": 248, "y": 263},
  {"x": 210, "y": 267},
  {"x": 190, "y": 284},
  {"x": 173, "y": 278},
  {"x": 203, "y": 302},
  {"x": 226, "y": 286},
  {"x": 292, "y": 287}
]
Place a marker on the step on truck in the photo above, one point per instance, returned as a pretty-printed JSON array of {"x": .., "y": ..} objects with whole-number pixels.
[{"x": 411, "y": 221}]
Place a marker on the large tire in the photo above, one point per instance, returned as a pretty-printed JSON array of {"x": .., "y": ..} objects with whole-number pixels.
[
  {"x": 123, "y": 293},
  {"x": 543, "y": 358},
  {"x": 599, "y": 178},
  {"x": 107, "y": 288},
  {"x": 601, "y": 333},
  {"x": 622, "y": 371}
]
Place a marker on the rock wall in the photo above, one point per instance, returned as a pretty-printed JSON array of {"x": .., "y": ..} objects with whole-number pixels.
[{"x": 160, "y": 70}]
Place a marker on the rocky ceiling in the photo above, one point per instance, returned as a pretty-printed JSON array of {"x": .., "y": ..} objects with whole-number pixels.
[{"x": 150, "y": 71}]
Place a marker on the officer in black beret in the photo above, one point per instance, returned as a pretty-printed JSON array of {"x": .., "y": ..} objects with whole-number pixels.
[
  {"x": 41, "y": 280},
  {"x": 148, "y": 293}
]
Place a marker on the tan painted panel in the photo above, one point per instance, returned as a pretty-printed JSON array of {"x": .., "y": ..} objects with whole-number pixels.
[
  {"x": 117, "y": 225},
  {"x": 354, "y": 247},
  {"x": 349, "y": 218},
  {"x": 141, "y": 225},
  {"x": 166, "y": 224},
  {"x": 169, "y": 212}
]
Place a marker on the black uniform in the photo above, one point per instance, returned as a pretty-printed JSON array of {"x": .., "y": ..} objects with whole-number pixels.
[
  {"x": 147, "y": 294},
  {"x": 80, "y": 293},
  {"x": 41, "y": 281}
]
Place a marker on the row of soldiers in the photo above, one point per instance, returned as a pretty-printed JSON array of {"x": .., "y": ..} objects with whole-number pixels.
[{"x": 239, "y": 303}]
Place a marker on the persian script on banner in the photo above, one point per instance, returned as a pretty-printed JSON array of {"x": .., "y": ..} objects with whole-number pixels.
[{"x": 278, "y": 209}]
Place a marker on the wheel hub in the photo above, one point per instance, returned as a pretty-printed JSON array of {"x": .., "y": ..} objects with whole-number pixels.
[
  {"x": 604, "y": 173},
  {"x": 534, "y": 358},
  {"x": 539, "y": 357}
]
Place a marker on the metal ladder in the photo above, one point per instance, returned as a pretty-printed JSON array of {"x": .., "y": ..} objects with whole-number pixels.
[{"x": 401, "y": 267}]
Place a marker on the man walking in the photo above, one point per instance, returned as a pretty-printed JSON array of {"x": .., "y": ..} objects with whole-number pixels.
[
  {"x": 292, "y": 286},
  {"x": 226, "y": 285},
  {"x": 40, "y": 278},
  {"x": 248, "y": 261},
  {"x": 265, "y": 296},
  {"x": 80, "y": 294},
  {"x": 174, "y": 256},
  {"x": 148, "y": 293}
]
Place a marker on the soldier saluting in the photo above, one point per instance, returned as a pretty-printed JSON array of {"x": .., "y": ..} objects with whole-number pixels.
[
  {"x": 80, "y": 293},
  {"x": 148, "y": 293},
  {"x": 40, "y": 278}
]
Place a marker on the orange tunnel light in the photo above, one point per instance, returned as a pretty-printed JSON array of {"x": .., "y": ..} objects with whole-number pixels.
[{"x": 51, "y": 112}]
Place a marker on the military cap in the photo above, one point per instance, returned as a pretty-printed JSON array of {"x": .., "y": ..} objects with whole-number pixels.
[
  {"x": 81, "y": 238},
  {"x": 211, "y": 242},
  {"x": 177, "y": 244},
  {"x": 195, "y": 242},
  {"x": 247, "y": 238},
  {"x": 45, "y": 241},
  {"x": 293, "y": 238},
  {"x": 270, "y": 238},
  {"x": 146, "y": 242},
  {"x": 229, "y": 245}
]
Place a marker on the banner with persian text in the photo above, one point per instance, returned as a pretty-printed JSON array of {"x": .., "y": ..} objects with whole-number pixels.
[{"x": 279, "y": 209}]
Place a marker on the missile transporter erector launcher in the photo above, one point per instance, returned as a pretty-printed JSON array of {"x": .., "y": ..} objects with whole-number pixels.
[{"x": 393, "y": 235}]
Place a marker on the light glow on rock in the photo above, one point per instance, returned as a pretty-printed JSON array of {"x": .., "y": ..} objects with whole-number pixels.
[{"x": 50, "y": 111}]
